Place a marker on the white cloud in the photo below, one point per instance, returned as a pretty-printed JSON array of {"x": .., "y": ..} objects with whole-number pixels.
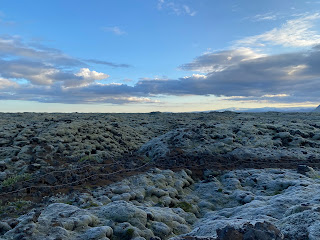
[
  {"x": 196, "y": 76},
  {"x": 136, "y": 99},
  {"x": 294, "y": 33},
  {"x": 176, "y": 8},
  {"x": 116, "y": 30},
  {"x": 91, "y": 75},
  {"x": 265, "y": 17},
  {"x": 84, "y": 77},
  {"x": 276, "y": 95}
]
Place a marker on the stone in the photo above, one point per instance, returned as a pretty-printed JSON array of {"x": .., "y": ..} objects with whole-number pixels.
[
  {"x": 4, "y": 227},
  {"x": 121, "y": 211},
  {"x": 161, "y": 230},
  {"x": 97, "y": 233},
  {"x": 50, "y": 179},
  {"x": 229, "y": 233},
  {"x": 3, "y": 176}
]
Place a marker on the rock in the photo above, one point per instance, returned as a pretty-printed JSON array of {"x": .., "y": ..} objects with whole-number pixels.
[
  {"x": 66, "y": 216},
  {"x": 260, "y": 231},
  {"x": 126, "y": 231},
  {"x": 3, "y": 166},
  {"x": 161, "y": 230},
  {"x": 229, "y": 233},
  {"x": 308, "y": 171},
  {"x": 3, "y": 176},
  {"x": 50, "y": 179},
  {"x": 4, "y": 227},
  {"x": 97, "y": 233},
  {"x": 120, "y": 189},
  {"x": 37, "y": 140},
  {"x": 121, "y": 211}
]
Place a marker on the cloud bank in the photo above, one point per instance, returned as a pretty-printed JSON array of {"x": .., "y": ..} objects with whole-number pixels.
[
  {"x": 234, "y": 75},
  {"x": 242, "y": 73}
]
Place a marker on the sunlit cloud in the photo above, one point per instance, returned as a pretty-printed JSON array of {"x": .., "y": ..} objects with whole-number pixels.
[{"x": 297, "y": 32}]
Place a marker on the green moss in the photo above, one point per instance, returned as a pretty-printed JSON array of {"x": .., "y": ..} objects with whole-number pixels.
[
  {"x": 129, "y": 233},
  {"x": 86, "y": 158},
  {"x": 91, "y": 204},
  {"x": 276, "y": 193},
  {"x": 187, "y": 207},
  {"x": 146, "y": 159},
  {"x": 20, "y": 204},
  {"x": 16, "y": 178},
  {"x": 220, "y": 190},
  {"x": 66, "y": 202}
]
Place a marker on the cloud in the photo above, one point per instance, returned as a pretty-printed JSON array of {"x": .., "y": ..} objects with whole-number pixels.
[
  {"x": 116, "y": 30},
  {"x": 7, "y": 84},
  {"x": 86, "y": 74},
  {"x": 176, "y": 8},
  {"x": 287, "y": 77},
  {"x": 251, "y": 76},
  {"x": 296, "y": 32},
  {"x": 219, "y": 61},
  {"x": 14, "y": 47},
  {"x": 41, "y": 74},
  {"x": 270, "y": 16},
  {"x": 93, "y": 93},
  {"x": 239, "y": 74},
  {"x": 121, "y": 65}
]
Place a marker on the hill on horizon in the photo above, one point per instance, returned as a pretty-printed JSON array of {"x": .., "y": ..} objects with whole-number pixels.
[{"x": 317, "y": 109}]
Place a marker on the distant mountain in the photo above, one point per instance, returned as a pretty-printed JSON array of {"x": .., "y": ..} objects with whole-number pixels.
[
  {"x": 317, "y": 109},
  {"x": 270, "y": 109}
]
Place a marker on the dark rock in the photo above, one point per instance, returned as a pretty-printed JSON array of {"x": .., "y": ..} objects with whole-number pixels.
[
  {"x": 38, "y": 140},
  {"x": 13, "y": 222},
  {"x": 34, "y": 166},
  {"x": 2, "y": 166},
  {"x": 50, "y": 179},
  {"x": 4, "y": 227},
  {"x": 303, "y": 169},
  {"x": 229, "y": 233},
  {"x": 36, "y": 216},
  {"x": 260, "y": 231}
]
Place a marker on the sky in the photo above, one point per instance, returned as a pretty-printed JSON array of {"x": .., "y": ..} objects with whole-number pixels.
[{"x": 158, "y": 55}]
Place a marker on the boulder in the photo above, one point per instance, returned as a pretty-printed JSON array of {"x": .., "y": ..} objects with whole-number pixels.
[{"x": 122, "y": 211}]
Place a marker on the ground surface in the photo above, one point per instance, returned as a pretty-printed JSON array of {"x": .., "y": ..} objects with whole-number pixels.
[{"x": 45, "y": 154}]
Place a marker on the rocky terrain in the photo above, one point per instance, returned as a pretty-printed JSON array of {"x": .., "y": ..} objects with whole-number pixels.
[
  {"x": 98, "y": 176},
  {"x": 162, "y": 204}
]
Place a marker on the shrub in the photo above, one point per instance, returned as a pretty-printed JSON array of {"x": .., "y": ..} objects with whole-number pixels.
[{"x": 16, "y": 178}]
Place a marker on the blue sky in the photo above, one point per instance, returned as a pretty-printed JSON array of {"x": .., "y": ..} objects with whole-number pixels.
[{"x": 166, "y": 55}]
